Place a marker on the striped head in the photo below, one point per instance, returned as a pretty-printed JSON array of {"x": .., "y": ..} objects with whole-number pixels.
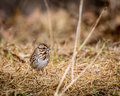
[{"x": 43, "y": 48}]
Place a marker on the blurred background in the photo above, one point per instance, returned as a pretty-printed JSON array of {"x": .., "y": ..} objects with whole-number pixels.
[
  {"x": 26, "y": 23},
  {"x": 27, "y": 20}
]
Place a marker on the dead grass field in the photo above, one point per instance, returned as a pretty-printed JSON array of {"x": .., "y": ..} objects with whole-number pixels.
[{"x": 17, "y": 78}]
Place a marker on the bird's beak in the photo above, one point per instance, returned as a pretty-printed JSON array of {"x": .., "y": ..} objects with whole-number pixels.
[{"x": 48, "y": 49}]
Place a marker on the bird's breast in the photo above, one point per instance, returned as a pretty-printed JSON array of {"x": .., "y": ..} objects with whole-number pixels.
[{"x": 41, "y": 63}]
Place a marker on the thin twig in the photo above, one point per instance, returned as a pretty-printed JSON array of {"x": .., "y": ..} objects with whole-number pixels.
[
  {"x": 49, "y": 24},
  {"x": 75, "y": 48},
  {"x": 73, "y": 81},
  {"x": 61, "y": 81},
  {"x": 77, "y": 39},
  {"x": 63, "y": 77},
  {"x": 91, "y": 32}
]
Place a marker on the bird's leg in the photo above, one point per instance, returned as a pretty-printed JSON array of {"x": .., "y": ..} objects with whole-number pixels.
[
  {"x": 41, "y": 71},
  {"x": 44, "y": 71}
]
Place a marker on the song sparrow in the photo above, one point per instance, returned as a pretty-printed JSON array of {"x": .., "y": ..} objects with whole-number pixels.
[{"x": 40, "y": 57}]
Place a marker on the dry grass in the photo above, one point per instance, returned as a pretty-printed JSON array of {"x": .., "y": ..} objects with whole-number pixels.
[
  {"x": 17, "y": 77},
  {"x": 103, "y": 75}
]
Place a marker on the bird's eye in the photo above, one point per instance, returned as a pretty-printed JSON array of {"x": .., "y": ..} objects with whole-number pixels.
[{"x": 43, "y": 48}]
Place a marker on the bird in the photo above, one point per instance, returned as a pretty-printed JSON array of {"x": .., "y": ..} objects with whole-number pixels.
[{"x": 40, "y": 57}]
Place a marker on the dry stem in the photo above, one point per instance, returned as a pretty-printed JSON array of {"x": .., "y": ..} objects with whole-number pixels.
[
  {"x": 66, "y": 71},
  {"x": 75, "y": 49},
  {"x": 73, "y": 81},
  {"x": 91, "y": 32},
  {"x": 57, "y": 90},
  {"x": 77, "y": 37},
  {"x": 49, "y": 24}
]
